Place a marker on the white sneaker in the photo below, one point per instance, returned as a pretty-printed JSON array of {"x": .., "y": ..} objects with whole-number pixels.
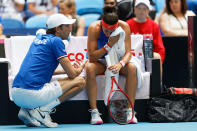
[
  {"x": 43, "y": 116},
  {"x": 26, "y": 117},
  {"x": 95, "y": 117},
  {"x": 129, "y": 116}
]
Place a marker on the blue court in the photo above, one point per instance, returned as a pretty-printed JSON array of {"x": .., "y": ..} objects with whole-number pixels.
[{"x": 142, "y": 126}]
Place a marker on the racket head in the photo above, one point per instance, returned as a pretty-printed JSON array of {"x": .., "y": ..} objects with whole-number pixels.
[{"x": 118, "y": 105}]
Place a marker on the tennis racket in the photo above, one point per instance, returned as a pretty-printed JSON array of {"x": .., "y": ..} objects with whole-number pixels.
[{"x": 118, "y": 104}]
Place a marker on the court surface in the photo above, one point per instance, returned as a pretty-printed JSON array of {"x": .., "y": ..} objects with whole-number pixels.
[{"x": 141, "y": 126}]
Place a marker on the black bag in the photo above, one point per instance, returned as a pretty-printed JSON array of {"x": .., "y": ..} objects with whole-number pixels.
[
  {"x": 125, "y": 9},
  {"x": 172, "y": 108}
]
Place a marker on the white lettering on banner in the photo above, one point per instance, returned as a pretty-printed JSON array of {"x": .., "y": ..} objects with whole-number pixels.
[{"x": 38, "y": 41}]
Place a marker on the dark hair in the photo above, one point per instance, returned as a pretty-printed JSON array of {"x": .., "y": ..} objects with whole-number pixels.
[
  {"x": 110, "y": 15},
  {"x": 183, "y": 7},
  {"x": 51, "y": 31}
]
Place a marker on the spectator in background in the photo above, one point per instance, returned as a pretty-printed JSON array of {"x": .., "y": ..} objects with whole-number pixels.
[
  {"x": 173, "y": 20},
  {"x": 2, "y": 36},
  {"x": 142, "y": 24},
  {"x": 124, "y": 8},
  {"x": 68, "y": 8},
  {"x": 42, "y": 6},
  {"x": 110, "y": 3},
  {"x": 12, "y": 9}
]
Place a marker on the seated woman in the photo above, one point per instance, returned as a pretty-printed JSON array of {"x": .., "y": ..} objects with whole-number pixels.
[
  {"x": 68, "y": 8},
  {"x": 174, "y": 18}
]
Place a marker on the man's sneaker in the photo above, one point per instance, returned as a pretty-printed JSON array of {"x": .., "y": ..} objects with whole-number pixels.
[
  {"x": 26, "y": 117},
  {"x": 95, "y": 117},
  {"x": 129, "y": 116},
  {"x": 43, "y": 116}
]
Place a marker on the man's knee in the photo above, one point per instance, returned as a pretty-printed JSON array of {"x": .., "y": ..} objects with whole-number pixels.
[{"x": 81, "y": 82}]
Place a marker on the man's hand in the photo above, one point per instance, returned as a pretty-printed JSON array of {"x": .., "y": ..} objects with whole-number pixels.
[{"x": 78, "y": 64}]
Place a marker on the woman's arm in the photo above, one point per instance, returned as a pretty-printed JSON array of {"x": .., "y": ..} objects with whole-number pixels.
[
  {"x": 81, "y": 27},
  {"x": 166, "y": 28},
  {"x": 93, "y": 35}
]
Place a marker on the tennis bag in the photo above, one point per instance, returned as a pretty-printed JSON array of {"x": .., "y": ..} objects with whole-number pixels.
[{"x": 173, "y": 108}]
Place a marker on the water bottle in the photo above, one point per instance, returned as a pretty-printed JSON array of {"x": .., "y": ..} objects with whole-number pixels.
[
  {"x": 148, "y": 51},
  {"x": 141, "y": 58},
  {"x": 148, "y": 46}
]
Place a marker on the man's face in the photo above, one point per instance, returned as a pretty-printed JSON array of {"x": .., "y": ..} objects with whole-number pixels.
[
  {"x": 64, "y": 31},
  {"x": 110, "y": 3},
  {"x": 141, "y": 12}
]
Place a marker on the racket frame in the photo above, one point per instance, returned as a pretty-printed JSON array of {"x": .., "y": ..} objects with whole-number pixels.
[{"x": 119, "y": 89}]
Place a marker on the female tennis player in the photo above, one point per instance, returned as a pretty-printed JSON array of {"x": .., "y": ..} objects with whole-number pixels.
[{"x": 99, "y": 43}]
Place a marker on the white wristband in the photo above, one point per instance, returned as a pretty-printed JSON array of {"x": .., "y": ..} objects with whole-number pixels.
[
  {"x": 107, "y": 47},
  {"x": 122, "y": 63}
]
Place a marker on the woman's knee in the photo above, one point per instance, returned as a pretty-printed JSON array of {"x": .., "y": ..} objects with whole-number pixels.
[
  {"x": 90, "y": 69},
  {"x": 132, "y": 69}
]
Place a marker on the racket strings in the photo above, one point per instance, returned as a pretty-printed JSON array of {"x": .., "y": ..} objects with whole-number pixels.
[{"x": 119, "y": 106}]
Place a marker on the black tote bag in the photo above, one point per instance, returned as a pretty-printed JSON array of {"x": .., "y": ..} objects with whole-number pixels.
[{"x": 172, "y": 108}]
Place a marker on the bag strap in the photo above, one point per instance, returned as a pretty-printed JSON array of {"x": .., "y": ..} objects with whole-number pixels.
[{"x": 190, "y": 91}]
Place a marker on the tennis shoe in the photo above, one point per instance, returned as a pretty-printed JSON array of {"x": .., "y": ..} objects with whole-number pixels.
[
  {"x": 95, "y": 117},
  {"x": 129, "y": 117},
  {"x": 25, "y": 116},
  {"x": 43, "y": 116}
]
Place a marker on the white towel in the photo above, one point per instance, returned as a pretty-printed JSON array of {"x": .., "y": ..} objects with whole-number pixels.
[
  {"x": 120, "y": 45},
  {"x": 140, "y": 75},
  {"x": 111, "y": 59},
  {"x": 115, "y": 55}
]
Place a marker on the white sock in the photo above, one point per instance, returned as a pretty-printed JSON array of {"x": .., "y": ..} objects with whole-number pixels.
[{"x": 51, "y": 105}]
